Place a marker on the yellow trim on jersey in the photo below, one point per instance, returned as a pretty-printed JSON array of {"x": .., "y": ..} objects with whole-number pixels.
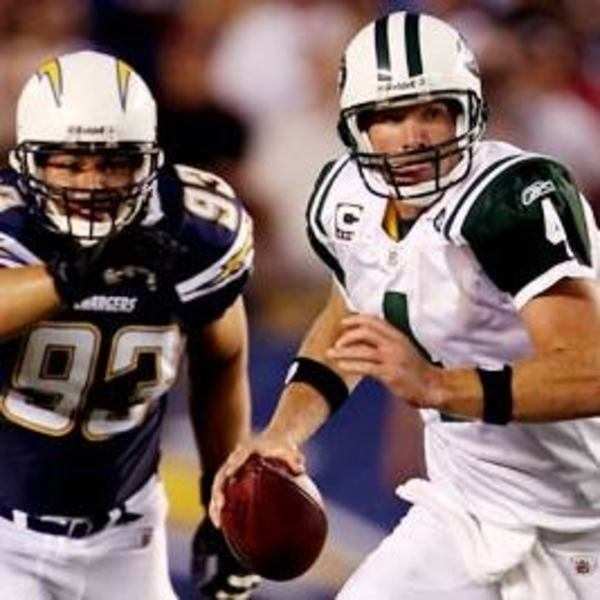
[
  {"x": 239, "y": 260},
  {"x": 390, "y": 221}
]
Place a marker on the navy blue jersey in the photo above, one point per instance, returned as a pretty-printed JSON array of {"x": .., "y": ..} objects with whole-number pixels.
[{"x": 83, "y": 394}]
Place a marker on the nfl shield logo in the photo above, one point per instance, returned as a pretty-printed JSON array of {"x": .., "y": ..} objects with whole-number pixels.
[{"x": 584, "y": 564}]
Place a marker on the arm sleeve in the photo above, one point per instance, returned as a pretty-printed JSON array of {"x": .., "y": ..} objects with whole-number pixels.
[
  {"x": 530, "y": 228},
  {"x": 207, "y": 290}
]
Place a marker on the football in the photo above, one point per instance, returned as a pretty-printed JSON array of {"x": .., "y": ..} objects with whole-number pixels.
[{"x": 273, "y": 521}]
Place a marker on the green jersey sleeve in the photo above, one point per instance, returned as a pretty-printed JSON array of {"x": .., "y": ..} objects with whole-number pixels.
[{"x": 529, "y": 228}]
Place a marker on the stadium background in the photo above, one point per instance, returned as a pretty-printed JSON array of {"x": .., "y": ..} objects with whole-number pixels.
[{"x": 247, "y": 88}]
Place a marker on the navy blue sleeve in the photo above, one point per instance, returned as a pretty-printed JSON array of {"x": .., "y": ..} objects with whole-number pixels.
[
  {"x": 217, "y": 230},
  {"x": 16, "y": 242}
]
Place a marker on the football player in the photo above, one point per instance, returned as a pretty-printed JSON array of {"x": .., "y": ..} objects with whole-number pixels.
[
  {"x": 113, "y": 264},
  {"x": 450, "y": 251}
]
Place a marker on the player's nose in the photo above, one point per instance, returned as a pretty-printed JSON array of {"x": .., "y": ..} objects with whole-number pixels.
[
  {"x": 91, "y": 178},
  {"x": 414, "y": 134}
]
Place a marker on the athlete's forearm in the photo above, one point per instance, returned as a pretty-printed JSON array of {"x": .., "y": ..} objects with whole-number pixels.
[
  {"x": 300, "y": 412},
  {"x": 556, "y": 386},
  {"x": 220, "y": 411},
  {"x": 220, "y": 393},
  {"x": 302, "y": 409},
  {"x": 27, "y": 295}
]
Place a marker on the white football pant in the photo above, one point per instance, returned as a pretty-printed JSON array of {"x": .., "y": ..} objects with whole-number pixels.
[
  {"x": 121, "y": 562},
  {"x": 420, "y": 560}
]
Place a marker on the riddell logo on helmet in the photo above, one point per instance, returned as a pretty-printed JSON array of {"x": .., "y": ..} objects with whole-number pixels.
[
  {"x": 81, "y": 130},
  {"x": 413, "y": 84}
]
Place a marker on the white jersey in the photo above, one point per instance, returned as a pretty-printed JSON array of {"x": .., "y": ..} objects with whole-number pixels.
[{"x": 455, "y": 284}]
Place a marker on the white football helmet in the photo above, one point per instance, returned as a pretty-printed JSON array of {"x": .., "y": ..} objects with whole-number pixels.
[
  {"x": 87, "y": 103},
  {"x": 405, "y": 59}
]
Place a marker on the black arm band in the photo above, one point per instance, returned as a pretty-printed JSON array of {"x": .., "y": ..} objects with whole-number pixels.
[
  {"x": 497, "y": 395},
  {"x": 322, "y": 378}
]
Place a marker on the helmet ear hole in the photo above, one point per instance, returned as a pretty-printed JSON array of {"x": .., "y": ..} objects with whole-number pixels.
[
  {"x": 344, "y": 133},
  {"x": 15, "y": 161},
  {"x": 485, "y": 111}
]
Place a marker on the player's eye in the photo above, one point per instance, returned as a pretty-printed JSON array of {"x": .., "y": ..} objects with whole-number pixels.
[
  {"x": 384, "y": 117},
  {"x": 55, "y": 162},
  {"x": 116, "y": 162},
  {"x": 122, "y": 163},
  {"x": 433, "y": 112},
  {"x": 64, "y": 165}
]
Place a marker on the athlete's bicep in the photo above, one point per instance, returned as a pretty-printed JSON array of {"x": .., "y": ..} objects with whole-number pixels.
[
  {"x": 222, "y": 339},
  {"x": 565, "y": 316},
  {"x": 327, "y": 326},
  {"x": 219, "y": 235}
]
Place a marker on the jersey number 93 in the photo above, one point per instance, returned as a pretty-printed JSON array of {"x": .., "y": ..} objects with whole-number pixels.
[{"x": 59, "y": 367}]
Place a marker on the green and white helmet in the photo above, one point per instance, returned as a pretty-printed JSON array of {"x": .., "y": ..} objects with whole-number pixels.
[
  {"x": 86, "y": 103},
  {"x": 405, "y": 59}
]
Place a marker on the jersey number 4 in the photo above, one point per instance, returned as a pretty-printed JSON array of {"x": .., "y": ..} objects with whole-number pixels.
[{"x": 58, "y": 367}]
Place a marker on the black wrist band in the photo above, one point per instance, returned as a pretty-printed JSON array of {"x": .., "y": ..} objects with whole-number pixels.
[
  {"x": 322, "y": 378},
  {"x": 497, "y": 395}
]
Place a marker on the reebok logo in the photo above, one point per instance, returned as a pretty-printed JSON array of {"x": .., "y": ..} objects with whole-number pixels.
[
  {"x": 115, "y": 304},
  {"x": 536, "y": 190}
]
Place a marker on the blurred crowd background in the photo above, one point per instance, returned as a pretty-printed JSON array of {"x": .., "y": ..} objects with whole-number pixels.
[{"x": 247, "y": 89}]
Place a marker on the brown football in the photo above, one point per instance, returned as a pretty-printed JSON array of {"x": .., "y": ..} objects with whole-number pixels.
[{"x": 273, "y": 521}]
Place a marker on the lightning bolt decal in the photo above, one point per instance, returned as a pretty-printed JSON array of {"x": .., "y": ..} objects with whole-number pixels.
[
  {"x": 52, "y": 71},
  {"x": 123, "y": 76}
]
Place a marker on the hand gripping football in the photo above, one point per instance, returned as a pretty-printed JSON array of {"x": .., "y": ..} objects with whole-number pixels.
[{"x": 274, "y": 522}]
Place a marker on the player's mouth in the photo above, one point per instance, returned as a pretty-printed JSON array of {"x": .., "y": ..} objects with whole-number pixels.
[
  {"x": 88, "y": 211},
  {"x": 412, "y": 175},
  {"x": 96, "y": 214}
]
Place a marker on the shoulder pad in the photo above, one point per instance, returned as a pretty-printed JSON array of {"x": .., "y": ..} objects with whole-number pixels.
[
  {"x": 516, "y": 192},
  {"x": 326, "y": 192},
  {"x": 475, "y": 185},
  {"x": 218, "y": 230},
  {"x": 321, "y": 213},
  {"x": 14, "y": 238},
  {"x": 208, "y": 198},
  {"x": 527, "y": 220},
  {"x": 205, "y": 180},
  {"x": 10, "y": 194}
]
